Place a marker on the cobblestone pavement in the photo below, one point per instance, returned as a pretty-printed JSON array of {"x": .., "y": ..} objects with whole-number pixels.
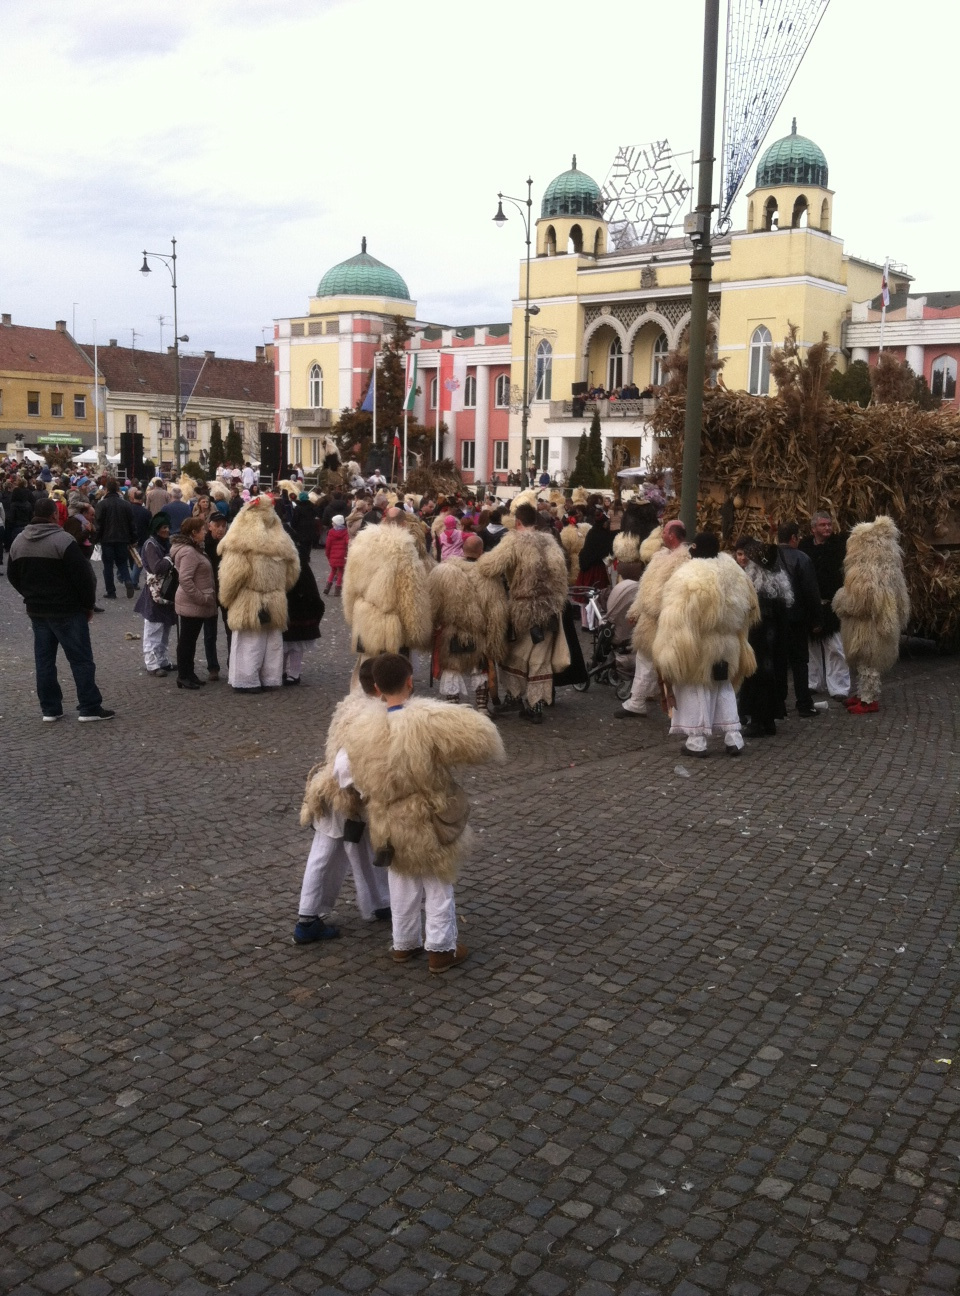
[{"x": 702, "y": 1045}]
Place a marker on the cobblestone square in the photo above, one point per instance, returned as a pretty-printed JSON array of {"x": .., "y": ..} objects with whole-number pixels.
[{"x": 707, "y": 1040}]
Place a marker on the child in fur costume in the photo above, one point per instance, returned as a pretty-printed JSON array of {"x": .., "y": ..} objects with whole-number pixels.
[
  {"x": 329, "y": 801},
  {"x": 873, "y": 606},
  {"x": 401, "y": 757},
  {"x": 259, "y": 564},
  {"x": 470, "y": 625},
  {"x": 701, "y": 647},
  {"x": 385, "y": 600},
  {"x": 663, "y": 552}
]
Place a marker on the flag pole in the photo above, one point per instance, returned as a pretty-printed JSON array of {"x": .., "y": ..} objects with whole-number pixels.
[
  {"x": 436, "y": 450},
  {"x": 374, "y": 380},
  {"x": 405, "y": 460},
  {"x": 884, "y": 299}
]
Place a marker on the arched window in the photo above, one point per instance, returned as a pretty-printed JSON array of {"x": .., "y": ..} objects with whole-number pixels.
[
  {"x": 598, "y": 243},
  {"x": 470, "y": 392},
  {"x": 502, "y": 393},
  {"x": 316, "y": 387},
  {"x": 760, "y": 345},
  {"x": 550, "y": 241},
  {"x": 543, "y": 374},
  {"x": 770, "y": 217},
  {"x": 615, "y": 366},
  {"x": 433, "y": 393},
  {"x": 825, "y": 216},
  {"x": 943, "y": 377},
  {"x": 801, "y": 213},
  {"x": 576, "y": 239},
  {"x": 660, "y": 349},
  {"x": 750, "y": 218}
]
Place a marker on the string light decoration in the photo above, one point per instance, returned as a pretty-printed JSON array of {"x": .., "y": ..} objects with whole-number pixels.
[{"x": 642, "y": 194}]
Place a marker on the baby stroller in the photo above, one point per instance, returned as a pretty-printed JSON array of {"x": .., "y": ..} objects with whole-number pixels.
[{"x": 609, "y": 661}]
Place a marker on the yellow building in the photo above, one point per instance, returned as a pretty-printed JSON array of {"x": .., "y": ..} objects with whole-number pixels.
[
  {"x": 46, "y": 389},
  {"x": 607, "y": 319}
]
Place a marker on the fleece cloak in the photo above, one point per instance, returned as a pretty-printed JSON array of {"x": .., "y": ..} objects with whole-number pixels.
[
  {"x": 385, "y": 599},
  {"x": 645, "y": 612},
  {"x": 708, "y": 608},
  {"x": 469, "y": 611},
  {"x": 873, "y": 604},
  {"x": 323, "y": 792},
  {"x": 258, "y": 564}
]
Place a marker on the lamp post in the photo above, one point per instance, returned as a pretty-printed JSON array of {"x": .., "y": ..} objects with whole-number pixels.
[
  {"x": 171, "y": 263},
  {"x": 500, "y": 220}
]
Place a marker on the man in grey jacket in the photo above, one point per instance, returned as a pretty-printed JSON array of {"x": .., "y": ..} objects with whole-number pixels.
[{"x": 58, "y": 587}]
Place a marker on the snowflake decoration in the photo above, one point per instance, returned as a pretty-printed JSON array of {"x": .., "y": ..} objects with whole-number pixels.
[{"x": 643, "y": 193}]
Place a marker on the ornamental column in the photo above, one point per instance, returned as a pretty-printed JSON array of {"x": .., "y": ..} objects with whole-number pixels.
[{"x": 482, "y": 425}]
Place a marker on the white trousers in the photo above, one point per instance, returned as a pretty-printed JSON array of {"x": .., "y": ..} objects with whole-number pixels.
[
  {"x": 827, "y": 666},
  {"x": 703, "y": 709},
  {"x": 453, "y": 683},
  {"x": 327, "y": 865},
  {"x": 646, "y": 684},
  {"x": 155, "y": 637},
  {"x": 293, "y": 658},
  {"x": 256, "y": 658},
  {"x": 407, "y": 894}
]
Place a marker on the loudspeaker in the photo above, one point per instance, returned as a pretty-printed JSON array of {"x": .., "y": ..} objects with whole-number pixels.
[
  {"x": 271, "y": 454},
  {"x": 131, "y": 455},
  {"x": 578, "y": 389}
]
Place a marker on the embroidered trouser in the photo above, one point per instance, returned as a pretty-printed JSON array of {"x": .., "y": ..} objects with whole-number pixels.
[
  {"x": 407, "y": 894},
  {"x": 256, "y": 658},
  {"x": 327, "y": 865}
]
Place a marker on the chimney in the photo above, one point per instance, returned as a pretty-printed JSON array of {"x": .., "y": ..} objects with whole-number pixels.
[
  {"x": 113, "y": 341},
  {"x": 6, "y": 320},
  {"x": 170, "y": 350},
  {"x": 61, "y": 326},
  {"x": 209, "y": 355}
]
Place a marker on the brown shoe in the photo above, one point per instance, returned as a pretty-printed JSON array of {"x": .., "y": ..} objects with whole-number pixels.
[
  {"x": 401, "y": 956},
  {"x": 448, "y": 958},
  {"x": 213, "y": 676}
]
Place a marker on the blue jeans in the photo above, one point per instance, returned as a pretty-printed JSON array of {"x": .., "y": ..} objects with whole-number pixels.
[
  {"x": 72, "y": 634},
  {"x": 115, "y": 554}
]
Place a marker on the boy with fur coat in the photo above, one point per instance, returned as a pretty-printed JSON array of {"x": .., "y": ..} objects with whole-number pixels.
[
  {"x": 534, "y": 568},
  {"x": 330, "y": 800},
  {"x": 701, "y": 648},
  {"x": 469, "y": 613},
  {"x": 664, "y": 551},
  {"x": 258, "y": 565},
  {"x": 873, "y": 606},
  {"x": 385, "y": 599},
  {"x": 402, "y": 754}
]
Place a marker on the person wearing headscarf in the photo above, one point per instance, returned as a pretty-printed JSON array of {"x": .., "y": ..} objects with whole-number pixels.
[
  {"x": 158, "y": 614},
  {"x": 597, "y": 547}
]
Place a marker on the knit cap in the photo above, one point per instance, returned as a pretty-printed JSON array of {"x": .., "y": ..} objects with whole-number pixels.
[{"x": 338, "y": 519}]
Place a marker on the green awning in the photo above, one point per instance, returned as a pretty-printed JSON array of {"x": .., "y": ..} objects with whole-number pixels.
[{"x": 59, "y": 438}]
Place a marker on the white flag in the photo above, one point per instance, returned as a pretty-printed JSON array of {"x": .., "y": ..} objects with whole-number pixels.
[{"x": 459, "y": 383}]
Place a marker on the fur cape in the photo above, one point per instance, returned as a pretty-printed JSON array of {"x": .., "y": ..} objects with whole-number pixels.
[
  {"x": 402, "y": 764},
  {"x": 323, "y": 792},
  {"x": 571, "y": 537},
  {"x": 528, "y": 496},
  {"x": 418, "y": 534},
  {"x": 873, "y": 604},
  {"x": 708, "y": 607},
  {"x": 532, "y": 564},
  {"x": 466, "y": 603},
  {"x": 626, "y": 547},
  {"x": 385, "y": 599},
  {"x": 645, "y": 610},
  {"x": 258, "y": 564},
  {"x": 652, "y": 544}
]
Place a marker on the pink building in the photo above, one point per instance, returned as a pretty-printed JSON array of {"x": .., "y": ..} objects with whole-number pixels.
[{"x": 921, "y": 328}]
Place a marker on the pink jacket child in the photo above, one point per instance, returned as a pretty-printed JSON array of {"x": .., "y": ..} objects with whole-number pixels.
[
  {"x": 337, "y": 543},
  {"x": 450, "y": 539}
]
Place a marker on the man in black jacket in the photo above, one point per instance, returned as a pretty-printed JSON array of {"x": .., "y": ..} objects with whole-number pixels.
[
  {"x": 803, "y": 618},
  {"x": 116, "y": 528},
  {"x": 55, "y": 580}
]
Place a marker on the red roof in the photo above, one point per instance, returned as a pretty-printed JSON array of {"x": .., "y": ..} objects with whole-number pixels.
[
  {"x": 42, "y": 351},
  {"x": 126, "y": 369}
]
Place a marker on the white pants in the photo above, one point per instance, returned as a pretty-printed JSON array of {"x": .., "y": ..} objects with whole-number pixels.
[
  {"x": 646, "y": 684},
  {"x": 406, "y": 896},
  {"x": 827, "y": 666},
  {"x": 293, "y": 658},
  {"x": 256, "y": 658},
  {"x": 453, "y": 683},
  {"x": 155, "y": 637},
  {"x": 703, "y": 709},
  {"x": 327, "y": 865}
]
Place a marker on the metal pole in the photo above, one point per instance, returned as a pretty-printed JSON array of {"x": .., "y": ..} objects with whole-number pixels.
[
  {"x": 700, "y": 267},
  {"x": 525, "y": 413},
  {"x": 176, "y": 364}
]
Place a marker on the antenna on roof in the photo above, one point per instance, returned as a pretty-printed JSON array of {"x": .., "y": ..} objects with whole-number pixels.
[{"x": 133, "y": 339}]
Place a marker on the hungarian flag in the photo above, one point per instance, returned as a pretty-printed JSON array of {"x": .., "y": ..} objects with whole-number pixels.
[
  {"x": 453, "y": 377},
  {"x": 885, "y": 286},
  {"x": 410, "y": 381},
  {"x": 396, "y": 441}
]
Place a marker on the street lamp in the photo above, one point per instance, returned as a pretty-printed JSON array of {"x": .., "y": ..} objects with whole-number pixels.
[
  {"x": 500, "y": 220},
  {"x": 171, "y": 263}
]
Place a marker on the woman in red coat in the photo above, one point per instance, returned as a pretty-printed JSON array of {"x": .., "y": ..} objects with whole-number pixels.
[{"x": 337, "y": 543}]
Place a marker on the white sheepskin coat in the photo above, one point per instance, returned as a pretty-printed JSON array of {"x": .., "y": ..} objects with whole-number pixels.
[
  {"x": 385, "y": 597},
  {"x": 258, "y": 564},
  {"x": 873, "y": 604},
  {"x": 708, "y": 607}
]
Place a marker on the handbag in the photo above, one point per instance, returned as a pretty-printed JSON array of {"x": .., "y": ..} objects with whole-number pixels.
[
  {"x": 135, "y": 557},
  {"x": 450, "y": 821},
  {"x": 163, "y": 585}
]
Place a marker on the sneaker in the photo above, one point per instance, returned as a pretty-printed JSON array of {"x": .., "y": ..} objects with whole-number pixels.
[
  {"x": 289, "y": 681},
  {"x": 624, "y": 714},
  {"x": 403, "y": 956},
  {"x": 447, "y": 959},
  {"x": 110, "y": 596},
  {"x": 159, "y": 672},
  {"x": 131, "y": 590},
  {"x": 99, "y": 609},
  {"x": 315, "y": 929},
  {"x": 167, "y": 666},
  {"x": 101, "y": 713},
  {"x": 49, "y": 719},
  {"x": 805, "y": 714}
]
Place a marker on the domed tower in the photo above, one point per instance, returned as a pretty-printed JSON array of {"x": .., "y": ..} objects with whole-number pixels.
[
  {"x": 791, "y": 190},
  {"x": 363, "y": 276},
  {"x": 571, "y": 215}
]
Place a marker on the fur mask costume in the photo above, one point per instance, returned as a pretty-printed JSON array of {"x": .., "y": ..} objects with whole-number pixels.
[
  {"x": 653, "y": 544},
  {"x": 258, "y": 564},
  {"x": 402, "y": 765},
  {"x": 385, "y": 599},
  {"x": 533, "y": 566},
  {"x": 645, "y": 611},
  {"x": 708, "y": 607},
  {"x": 323, "y": 792},
  {"x": 873, "y": 604},
  {"x": 626, "y": 547},
  {"x": 466, "y": 603},
  {"x": 571, "y": 538}
]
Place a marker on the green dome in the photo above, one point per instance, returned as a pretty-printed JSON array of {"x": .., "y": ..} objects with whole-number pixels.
[
  {"x": 362, "y": 276},
  {"x": 793, "y": 160},
  {"x": 573, "y": 193}
]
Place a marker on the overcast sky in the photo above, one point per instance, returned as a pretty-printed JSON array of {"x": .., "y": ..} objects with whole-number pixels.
[{"x": 270, "y": 135}]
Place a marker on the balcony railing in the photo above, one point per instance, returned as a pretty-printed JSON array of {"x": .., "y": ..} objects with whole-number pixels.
[
  {"x": 314, "y": 418},
  {"x": 608, "y": 409}
]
